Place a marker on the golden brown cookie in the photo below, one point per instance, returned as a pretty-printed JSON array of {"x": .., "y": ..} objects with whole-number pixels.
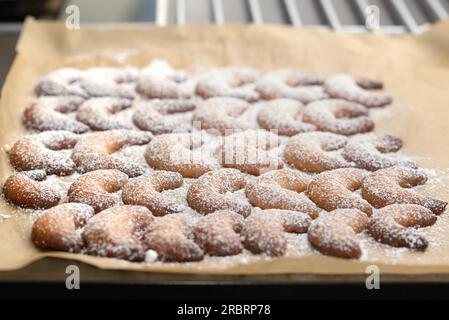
[
  {"x": 147, "y": 190},
  {"x": 396, "y": 225},
  {"x": 159, "y": 87},
  {"x": 335, "y": 233},
  {"x": 171, "y": 237},
  {"x": 99, "y": 114},
  {"x": 344, "y": 86},
  {"x": 95, "y": 151},
  {"x": 43, "y": 151},
  {"x": 61, "y": 82},
  {"x": 51, "y": 113},
  {"x": 98, "y": 189},
  {"x": 159, "y": 116},
  {"x": 338, "y": 116},
  {"x": 373, "y": 152},
  {"x": 334, "y": 189},
  {"x": 214, "y": 191},
  {"x": 283, "y": 117},
  {"x": 218, "y": 233},
  {"x": 118, "y": 232},
  {"x": 110, "y": 82},
  {"x": 290, "y": 84},
  {"x": 220, "y": 116},
  {"x": 58, "y": 228},
  {"x": 29, "y": 190},
  {"x": 228, "y": 82},
  {"x": 250, "y": 151},
  {"x": 181, "y": 152},
  {"x": 314, "y": 151},
  {"x": 392, "y": 186},
  {"x": 265, "y": 231},
  {"x": 281, "y": 189}
]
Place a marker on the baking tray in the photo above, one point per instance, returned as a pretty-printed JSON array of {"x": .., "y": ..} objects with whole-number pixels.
[
  {"x": 52, "y": 271},
  {"x": 46, "y": 279}
]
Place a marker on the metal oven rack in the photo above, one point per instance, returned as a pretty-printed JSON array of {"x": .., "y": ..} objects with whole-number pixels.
[{"x": 396, "y": 16}]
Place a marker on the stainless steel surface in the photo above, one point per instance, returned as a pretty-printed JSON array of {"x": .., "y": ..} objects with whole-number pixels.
[
  {"x": 362, "y": 7},
  {"x": 437, "y": 9},
  {"x": 256, "y": 13},
  {"x": 293, "y": 13},
  {"x": 162, "y": 12},
  {"x": 217, "y": 6},
  {"x": 405, "y": 15},
  {"x": 180, "y": 12},
  {"x": 396, "y": 16},
  {"x": 331, "y": 14}
]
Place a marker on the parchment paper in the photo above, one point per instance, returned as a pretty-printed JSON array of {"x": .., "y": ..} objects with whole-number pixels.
[{"x": 415, "y": 69}]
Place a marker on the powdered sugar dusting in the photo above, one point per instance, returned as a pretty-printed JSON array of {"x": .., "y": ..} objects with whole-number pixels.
[
  {"x": 347, "y": 87},
  {"x": 338, "y": 116},
  {"x": 165, "y": 101}
]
